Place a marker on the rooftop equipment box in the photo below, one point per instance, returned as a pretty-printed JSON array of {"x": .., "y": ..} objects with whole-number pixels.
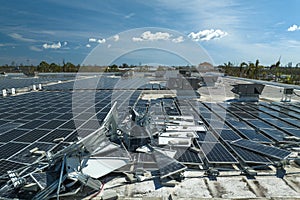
[{"x": 248, "y": 92}]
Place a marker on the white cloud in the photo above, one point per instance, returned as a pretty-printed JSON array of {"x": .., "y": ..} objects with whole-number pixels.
[
  {"x": 294, "y": 28},
  {"x": 148, "y": 36},
  {"x": 92, "y": 40},
  {"x": 116, "y": 38},
  {"x": 129, "y": 15},
  {"x": 88, "y": 46},
  {"x": 101, "y": 41},
  {"x": 135, "y": 39},
  {"x": 34, "y": 48},
  {"x": 52, "y": 46},
  {"x": 178, "y": 40},
  {"x": 20, "y": 37},
  {"x": 207, "y": 35},
  {"x": 6, "y": 44}
]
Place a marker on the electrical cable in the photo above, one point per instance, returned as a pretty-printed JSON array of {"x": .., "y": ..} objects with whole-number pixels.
[{"x": 296, "y": 94}]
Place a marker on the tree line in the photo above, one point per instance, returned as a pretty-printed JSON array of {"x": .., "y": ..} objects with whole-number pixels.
[
  {"x": 42, "y": 67},
  {"x": 45, "y": 67},
  {"x": 251, "y": 70},
  {"x": 254, "y": 70}
]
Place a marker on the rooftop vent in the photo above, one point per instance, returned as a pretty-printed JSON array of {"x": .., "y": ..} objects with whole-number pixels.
[
  {"x": 248, "y": 92},
  {"x": 209, "y": 80}
]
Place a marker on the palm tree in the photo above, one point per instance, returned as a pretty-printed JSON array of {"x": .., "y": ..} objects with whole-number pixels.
[
  {"x": 276, "y": 67},
  {"x": 256, "y": 69},
  {"x": 227, "y": 67},
  {"x": 242, "y": 65}
]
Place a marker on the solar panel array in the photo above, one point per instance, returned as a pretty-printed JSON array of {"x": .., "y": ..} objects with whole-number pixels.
[
  {"x": 248, "y": 122},
  {"x": 64, "y": 112},
  {"x": 44, "y": 119},
  {"x": 21, "y": 81}
]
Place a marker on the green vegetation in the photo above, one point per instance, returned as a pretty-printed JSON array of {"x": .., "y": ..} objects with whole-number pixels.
[
  {"x": 45, "y": 67},
  {"x": 42, "y": 67},
  {"x": 251, "y": 70},
  {"x": 275, "y": 72}
]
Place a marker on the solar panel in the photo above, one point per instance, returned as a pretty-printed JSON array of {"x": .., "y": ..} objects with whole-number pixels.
[
  {"x": 217, "y": 124},
  {"x": 10, "y": 149},
  {"x": 228, "y": 116},
  {"x": 275, "y": 134},
  {"x": 84, "y": 116},
  {"x": 16, "y": 116},
  {"x": 187, "y": 156},
  {"x": 91, "y": 124},
  {"x": 71, "y": 124},
  {"x": 65, "y": 116},
  {"x": 32, "y": 116},
  {"x": 10, "y": 135},
  {"x": 47, "y": 110},
  {"x": 2, "y": 122},
  {"x": 262, "y": 115},
  {"x": 293, "y": 131},
  {"x": 233, "y": 109},
  {"x": 166, "y": 165},
  {"x": 295, "y": 122},
  {"x": 25, "y": 156},
  {"x": 6, "y": 165},
  {"x": 32, "y": 124},
  {"x": 50, "y": 116},
  {"x": 238, "y": 124},
  {"x": 206, "y": 115},
  {"x": 55, "y": 135},
  {"x": 19, "y": 81},
  {"x": 217, "y": 153},
  {"x": 280, "y": 124},
  {"x": 269, "y": 151},
  {"x": 259, "y": 124},
  {"x": 206, "y": 136},
  {"x": 254, "y": 135},
  {"x": 21, "y": 121},
  {"x": 63, "y": 110},
  {"x": 9, "y": 126},
  {"x": 228, "y": 135},
  {"x": 249, "y": 156},
  {"x": 32, "y": 136},
  {"x": 52, "y": 124}
]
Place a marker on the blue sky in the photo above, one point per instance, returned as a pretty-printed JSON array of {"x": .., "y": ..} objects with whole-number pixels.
[{"x": 228, "y": 30}]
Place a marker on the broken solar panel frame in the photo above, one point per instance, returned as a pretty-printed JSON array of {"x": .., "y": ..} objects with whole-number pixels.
[{"x": 166, "y": 165}]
